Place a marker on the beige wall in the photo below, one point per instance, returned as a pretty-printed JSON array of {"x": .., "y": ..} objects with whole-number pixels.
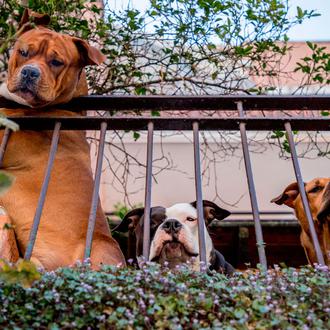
[{"x": 271, "y": 174}]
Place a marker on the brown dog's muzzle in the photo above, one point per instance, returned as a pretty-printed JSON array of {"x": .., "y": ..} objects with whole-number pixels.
[
  {"x": 29, "y": 78},
  {"x": 324, "y": 213}
]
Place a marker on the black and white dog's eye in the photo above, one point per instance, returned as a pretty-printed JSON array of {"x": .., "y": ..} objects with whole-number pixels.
[
  {"x": 190, "y": 219},
  {"x": 316, "y": 189}
]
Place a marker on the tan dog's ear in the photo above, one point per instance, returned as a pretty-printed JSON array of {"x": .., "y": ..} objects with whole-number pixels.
[
  {"x": 32, "y": 17},
  {"x": 130, "y": 220},
  {"x": 212, "y": 211},
  {"x": 89, "y": 54},
  {"x": 288, "y": 196}
]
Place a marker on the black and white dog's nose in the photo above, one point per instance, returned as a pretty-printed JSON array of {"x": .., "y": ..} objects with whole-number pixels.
[
  {"x": 171, "y": 226},
  {"x": 30, "y": 73}
]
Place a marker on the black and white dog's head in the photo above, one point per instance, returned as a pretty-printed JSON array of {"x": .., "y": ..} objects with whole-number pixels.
[{"x": 173, "y": 232}]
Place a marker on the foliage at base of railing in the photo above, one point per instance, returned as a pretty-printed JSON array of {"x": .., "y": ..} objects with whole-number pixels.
[
  {"x": 126, "y": 298},
  {"x": 23, "y": 273}
]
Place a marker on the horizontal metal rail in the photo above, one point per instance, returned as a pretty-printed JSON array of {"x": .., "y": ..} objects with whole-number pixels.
[
  {"x": 171, "y": 124},
  {"x": 210, "y": 102},
  {"x": 39, "y": 122},
  {"x": 234, "y": 213},
  {"x": 250, "y": 223}
]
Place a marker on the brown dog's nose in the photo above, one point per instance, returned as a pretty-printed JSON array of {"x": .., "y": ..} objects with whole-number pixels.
[
  {"x": 30, "y": 73},
  {"x": 171, "y": 226}
]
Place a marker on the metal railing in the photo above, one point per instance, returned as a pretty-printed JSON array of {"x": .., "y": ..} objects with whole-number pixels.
[{"x": 240, "y": 104}]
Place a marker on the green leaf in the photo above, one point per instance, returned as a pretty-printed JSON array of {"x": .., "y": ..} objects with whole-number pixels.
[
  {"x": 155, "y": 113},
  {"x": 300, "y": 13},
  {"x": 8, "y": 226},
  {"x": 239, "y": 313},
  {"x": 6, "y": 180},
  {"x": 140, "y": 90},
  {"x": 136, "y": 135},
  {"x": 311, "y": 45}
]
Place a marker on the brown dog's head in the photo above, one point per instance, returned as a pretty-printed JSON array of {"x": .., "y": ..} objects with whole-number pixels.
[
  {"x": 45, "y": 67},
  {"x": 318, "y": 193},
  {"x": 173, "y": 231}
]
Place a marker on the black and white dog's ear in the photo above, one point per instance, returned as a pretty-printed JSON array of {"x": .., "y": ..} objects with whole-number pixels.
[
  {"x": 212, "y": 211},
  {"x": 130, "y": 220}
]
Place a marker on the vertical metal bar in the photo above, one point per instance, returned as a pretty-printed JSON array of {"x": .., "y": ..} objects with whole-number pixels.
[
  {"x": 199, "y": 198},
  {"x": 96, "y": 189},
  {"x": 43, "y": 192},
  {"x": 4, "y": 142},
  {"x": 252, "y": 190},
  {"x": 319, "y": 254},
  {"x": 147, "y": 199}
]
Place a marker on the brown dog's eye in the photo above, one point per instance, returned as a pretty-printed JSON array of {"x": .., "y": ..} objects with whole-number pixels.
[
  {"x": 190, "y": 219},
  {"x": 315, "y": 189},
  {"x": 56, "y": 63},
  {"x": 23, "y": 53}
]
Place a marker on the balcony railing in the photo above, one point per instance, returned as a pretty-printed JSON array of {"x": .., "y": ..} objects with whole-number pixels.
[{"x": 241, "y": 105}]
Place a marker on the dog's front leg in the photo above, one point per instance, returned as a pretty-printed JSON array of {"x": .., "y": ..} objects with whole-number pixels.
[
  {"x": 308, "y": 247},
  {"x": 37, "y": 263},
  {"x": 8, "y": 245}
]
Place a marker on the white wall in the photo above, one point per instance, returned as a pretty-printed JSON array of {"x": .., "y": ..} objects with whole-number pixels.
[{"x": 271, "y": 174}]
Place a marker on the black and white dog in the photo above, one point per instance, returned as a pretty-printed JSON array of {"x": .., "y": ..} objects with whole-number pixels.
[{"x": 174, "y": 235}]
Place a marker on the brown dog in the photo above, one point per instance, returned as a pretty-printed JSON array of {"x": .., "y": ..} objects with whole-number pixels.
[
  {"x": 318, "y": 193},
  {"x": 45, "y": 69}
]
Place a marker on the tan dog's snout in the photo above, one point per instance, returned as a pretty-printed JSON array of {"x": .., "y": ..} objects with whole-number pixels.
[
  {"x": 29, "y": 78},
  {"x": 318, "y": 194},
  {"x": 29, "y": 74}
]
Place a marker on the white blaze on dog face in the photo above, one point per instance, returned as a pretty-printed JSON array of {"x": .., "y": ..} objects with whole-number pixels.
[
  {"x": 174, "y": 233},
  {"x": 182, "y": 243}
]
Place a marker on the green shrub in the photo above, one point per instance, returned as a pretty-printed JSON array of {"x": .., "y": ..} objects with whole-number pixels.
[{"x": 159, "y": 298}]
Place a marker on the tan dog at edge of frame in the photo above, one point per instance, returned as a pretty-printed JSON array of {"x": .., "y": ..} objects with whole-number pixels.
[
  {"x": 47, "y": 68},
  {"x": 318, "y": 193}
]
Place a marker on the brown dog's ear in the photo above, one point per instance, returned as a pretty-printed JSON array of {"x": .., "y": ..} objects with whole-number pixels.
[
  {"x": 288, "y": 196},
  {"x": 89, "y": 54},
  {"x": 212, "y": 211},
  {"x": 130, "y": 220},
  {"x": 32, "y": 17}
]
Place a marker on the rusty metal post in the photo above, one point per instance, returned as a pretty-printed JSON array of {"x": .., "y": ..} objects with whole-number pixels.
[
  {"x": 147, "y": 199},
  {"x": 199, "y": 198},
  {"x": 252, "y": 190},
  {"x": 96, "y": 189},
  {"x": 303, "y": 195},
  {"x": 4, "y": 142},
  {"x": 43, "y": 192}
]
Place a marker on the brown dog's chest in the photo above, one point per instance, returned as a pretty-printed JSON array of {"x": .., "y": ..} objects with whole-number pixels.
[
  {"x": 69, "y": 192},
  {"x": 29, "y": 150}
]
